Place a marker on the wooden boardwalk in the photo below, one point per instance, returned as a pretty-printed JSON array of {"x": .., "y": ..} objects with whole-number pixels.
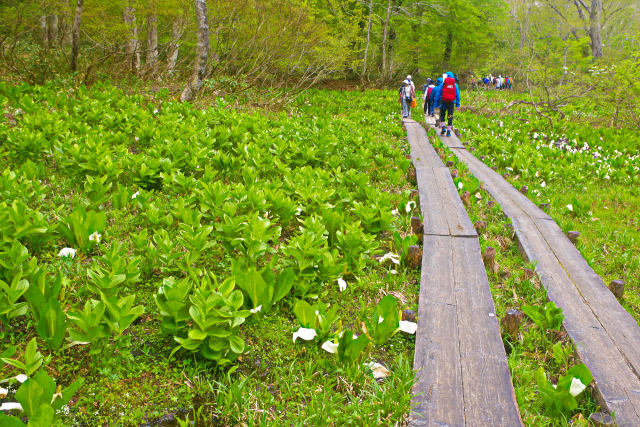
[
  {"x": 605, "y": 336},
  {"x": 462, "y": 373}
]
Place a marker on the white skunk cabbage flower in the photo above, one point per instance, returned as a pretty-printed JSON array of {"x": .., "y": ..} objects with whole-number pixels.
[
  {"x": 95, "y": 237},
  {"x": 134, "y": 195},
  {"x": 576, "y": 387},
  {"x": 342, "y": 285},
  {"x": 408, "y": 327},
  {"x": 391, "y": 256},
  {"x": 10, "y": 406},
  {"x": 305, "y": 334},
  {"x": 255, "y": 310},
  {"x": 379, "y": 371},
  {"x": 570, "y": 207},
  {"x": 67, "y": 252},
  {"x": 330, "y": 347},
  {"x": 410, "y": 206}
]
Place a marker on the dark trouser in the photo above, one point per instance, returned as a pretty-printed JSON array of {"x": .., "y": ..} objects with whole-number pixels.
[
  {"x": 447, "y": 107},
  {"x": 428, "y": 107}
]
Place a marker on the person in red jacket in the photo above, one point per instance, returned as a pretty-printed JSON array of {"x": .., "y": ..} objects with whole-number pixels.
[{"x": 447, "y": 97}]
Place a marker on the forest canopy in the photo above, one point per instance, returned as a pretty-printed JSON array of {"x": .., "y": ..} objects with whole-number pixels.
[{"x": 286, "y": 43}]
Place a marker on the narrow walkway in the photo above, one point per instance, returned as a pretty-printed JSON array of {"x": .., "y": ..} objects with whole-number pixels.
[
  {"x": 606, "y": 337},
  {"x": 462, "y": 373}
]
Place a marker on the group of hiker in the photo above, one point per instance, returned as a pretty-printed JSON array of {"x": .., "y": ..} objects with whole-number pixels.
[
  {"x": 498, "y": 83},
  {"x": 442, "y": 95}
]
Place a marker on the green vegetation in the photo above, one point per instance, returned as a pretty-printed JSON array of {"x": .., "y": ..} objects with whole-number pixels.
[
  {"x": 588, "y": 174},
  {"x": 166, "y": 256}
]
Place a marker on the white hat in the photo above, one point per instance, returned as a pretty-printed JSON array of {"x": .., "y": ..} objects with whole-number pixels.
[
  {"x": 406, "y": 82},
  {"x": 409, "y": 77}
]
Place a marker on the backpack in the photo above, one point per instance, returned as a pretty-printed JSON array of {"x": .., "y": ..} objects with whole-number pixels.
[
  {"x": 449, "y": 90},
  {"x": 429, "y": 92},
  {"x": 407, "y": 93}
]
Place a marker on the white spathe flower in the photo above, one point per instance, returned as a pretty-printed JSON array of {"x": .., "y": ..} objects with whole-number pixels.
[
  {"x": 21, "y": 378},
  {"x": 380, "y": 319},
  {"x": 155, "y": 111},
  {"x": 305, "y": 334},
  {"x": 342, "y": 284},
  {"x": 298, "y": 211},
  {"x": 395, "y": 212},
  {"x": 460, "y": 185},
  {"x": 576, "y": 387},
  {"x": 393, "y": 271},
  {"x": 570, "y": 207},
  {"x": 410, "y": 206},
  {"x": 378, "y": 370},
  {"x": 134, "y": 195},
  {"x": 95, "y": 237},
  {"x": 10, "y": 406},
  {"x": 257, "y": 309},
  {"x": 3, "y": 392},
  {"x": 330, "y": 347},
  {"x": 390, "y": 256},
  {"x": 478, "y": 195},
  {"x": 67, "y": 252},
  {"x": 543, "y": 184},
  {"x": 408, "y": 327}
]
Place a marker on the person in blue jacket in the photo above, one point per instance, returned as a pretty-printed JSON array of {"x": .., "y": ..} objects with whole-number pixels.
[
  {"x": 432, "y": 95},
  {"x": 447, "y": 95}
]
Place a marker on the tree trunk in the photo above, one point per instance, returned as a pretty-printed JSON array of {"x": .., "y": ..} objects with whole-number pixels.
[
  {"x": 385, "y": 34},
  {"x": 595, "y": 28},
  {"x": 448, "y": 48},
  {"x": 133, "y": 53},
  {"x": 366, "y": 49},
  {"x": 44, "y": 34},
  {"x": 152, "y": 45},
  {"x": 75, "y": 37},
  {"x": 202, "y": 53},
  {"x": 66, "y": 26},
  {"x": 52, "y": 29},
  {"x": 174, "y": 46}
]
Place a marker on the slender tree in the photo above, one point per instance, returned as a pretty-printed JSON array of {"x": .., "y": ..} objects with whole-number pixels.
[
  {"x": 75, "y": 36},
  {"x": 202, "y": 53}
]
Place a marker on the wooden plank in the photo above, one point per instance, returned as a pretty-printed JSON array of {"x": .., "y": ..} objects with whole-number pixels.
[
  {"x": 489, "y": 395},
  {"x": 431, "y": 203},
  {"x": 620, "y": 325},
  {"x": 453, "y": 209},
  {"x": 604, "y": 334},
  {"x": 438, "y": 391}
]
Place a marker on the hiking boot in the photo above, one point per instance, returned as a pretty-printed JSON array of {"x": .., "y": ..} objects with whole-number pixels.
[
  {"x": 448, "y": 132},
  {"x": 443, "y": 130}
]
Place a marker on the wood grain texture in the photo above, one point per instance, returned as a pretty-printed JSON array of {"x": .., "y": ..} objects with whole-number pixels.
[
  {"x": 460, "y": 362},
  {"x": 606, "y": 337}
]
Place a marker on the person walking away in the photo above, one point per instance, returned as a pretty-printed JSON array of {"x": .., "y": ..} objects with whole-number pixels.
[
  {"x": 448, "y": 98},
  {"x": 425, "y": 95},
  {"x": 434, "y": 94},
  {"x": 428, "y": 100},
  {"x": 406, "y": 94}
]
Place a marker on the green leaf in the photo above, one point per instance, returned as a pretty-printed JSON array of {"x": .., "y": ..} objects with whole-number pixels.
[
  {"x": 43, "y": 417},
  {"x": 236, "y": 343},
  {"x": 283, "y": 284},
  {"x": 52, "y": 326},
  {"x": 30, "y": 396},
  {"x": 8, "y": 421},
  {"x": 305, "y": 314}
]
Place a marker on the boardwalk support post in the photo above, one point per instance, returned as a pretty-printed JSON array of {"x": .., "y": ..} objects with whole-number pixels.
[
  {"x": 600, "y": 419},
  {"x": 414, "y": 257},
  {"x": 489, "y": 259},
  {"x": 573, "y": 236},
  {"x": 480, "y": 226},
  {"x": 617, "y": 288},
  {"x": 417, "y": 227},
  {"x": 511, "y": 321}
]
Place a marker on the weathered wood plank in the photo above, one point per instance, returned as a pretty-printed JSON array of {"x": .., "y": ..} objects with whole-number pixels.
[
  {"x": 489, "y": 395},
  {"x": 453, "y": 209},
  {"x": 438, "y": 391},
  {"x": 606, "y": 337}
]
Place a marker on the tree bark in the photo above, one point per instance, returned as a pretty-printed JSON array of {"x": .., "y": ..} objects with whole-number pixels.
[
  {"x": 44, "y": 34},
  {"x": 366, "y": 49},
  {"x": 152, "y": 44},
  {"x": 133, "y": 53},
  {"x": 174, "y": 46},
  {"x": 595, "y": 28},
  {"x": 52, "y": 29},
  {"x": 385, "y": 34},
  {"x": 202, "y": 53},
  {"x": 75, "y": 37},
  {"x": 66, "y": 25},
  {"x": 448, "y": 48}
]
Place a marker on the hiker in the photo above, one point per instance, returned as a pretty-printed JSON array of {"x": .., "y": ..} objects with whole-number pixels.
[
  {"x": 426, "y": 97},
  {"x": 406, "y": 94},
  {"x": 411, "y": 82},
  {"x": 433, "y": 94},
  {"x": 447, "y": 97}
]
